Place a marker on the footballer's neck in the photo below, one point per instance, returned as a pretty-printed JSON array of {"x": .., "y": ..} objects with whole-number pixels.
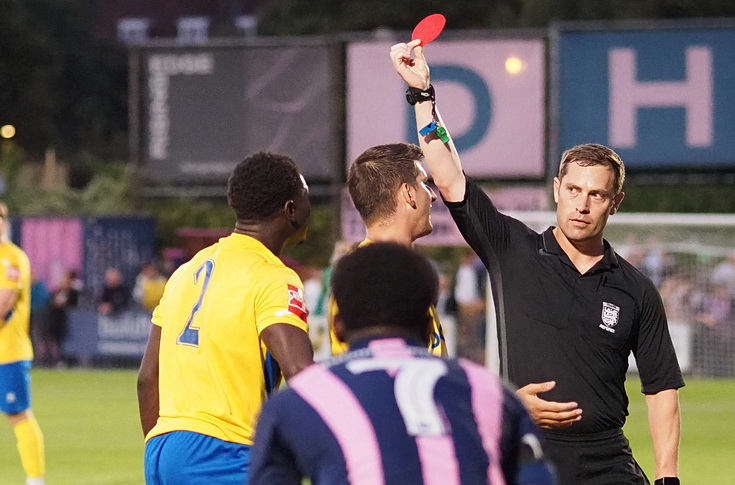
[{"x": 270, "y": 234}]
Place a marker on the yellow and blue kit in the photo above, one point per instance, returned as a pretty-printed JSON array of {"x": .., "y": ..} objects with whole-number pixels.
[
  {"x": 15, "y": 274},
  {"x": 213, "y": 365}
]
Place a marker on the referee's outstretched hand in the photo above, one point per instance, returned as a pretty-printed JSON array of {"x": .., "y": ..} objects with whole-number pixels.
[{"x": 548, "y": 414}]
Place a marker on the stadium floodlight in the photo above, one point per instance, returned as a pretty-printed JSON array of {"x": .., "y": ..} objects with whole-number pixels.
[{"x": 7, "y": 131}]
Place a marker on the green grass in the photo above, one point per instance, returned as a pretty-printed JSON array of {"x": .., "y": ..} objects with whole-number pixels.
[
  {"x": 708, "y": 431},
  {"x": 90, "y": 422}
]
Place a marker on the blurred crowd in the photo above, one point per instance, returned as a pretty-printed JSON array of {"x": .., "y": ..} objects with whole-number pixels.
[{"x": 700, "y": 296}]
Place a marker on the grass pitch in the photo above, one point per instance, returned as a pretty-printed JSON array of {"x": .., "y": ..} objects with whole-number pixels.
[{"x": 90, "y": 423}]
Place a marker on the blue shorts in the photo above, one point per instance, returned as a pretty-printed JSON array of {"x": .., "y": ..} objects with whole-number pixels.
[
  {"x": 182, "y": 457},
  {"x": 15, "y": 387}
]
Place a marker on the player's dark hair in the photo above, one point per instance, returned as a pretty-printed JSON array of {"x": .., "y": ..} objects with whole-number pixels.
[
  {"x": 385, "y": 285},
  {"x": 261, "y": 184},
  {"x": 590, "y": 154},
  {"x": 375, "y": 176}
]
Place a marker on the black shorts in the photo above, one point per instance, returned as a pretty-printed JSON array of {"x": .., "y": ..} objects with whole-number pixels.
[{"x": 601, "y": 458}]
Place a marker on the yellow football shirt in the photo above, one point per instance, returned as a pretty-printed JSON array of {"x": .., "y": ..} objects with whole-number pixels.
[
  {"x": 212, "y": 362},
  {"x": 15, "y": 274},
  {"x": 437, "y": 345}
]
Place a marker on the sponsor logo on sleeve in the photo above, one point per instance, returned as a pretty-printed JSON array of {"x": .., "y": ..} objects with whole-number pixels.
[
  {"x": 12, "y": 273},
  {"x": 610, "y": 315},
  {"x": 296, "y": 303}
]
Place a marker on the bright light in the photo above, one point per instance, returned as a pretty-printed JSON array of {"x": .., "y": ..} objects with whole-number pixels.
[
  {"x": 7, "y": 131},
  {"x": 514, "y": 65}
]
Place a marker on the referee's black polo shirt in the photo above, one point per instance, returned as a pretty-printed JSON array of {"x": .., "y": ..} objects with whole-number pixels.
[{"x": 557, "y": 324}]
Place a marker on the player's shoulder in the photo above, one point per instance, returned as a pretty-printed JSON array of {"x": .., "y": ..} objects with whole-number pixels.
[
  {"x": 9, "y": 249},
  {"x": 14, "y": 259}
]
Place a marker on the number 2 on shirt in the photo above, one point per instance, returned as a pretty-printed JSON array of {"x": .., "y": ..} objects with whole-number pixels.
[{"x": 190, "y": 334}]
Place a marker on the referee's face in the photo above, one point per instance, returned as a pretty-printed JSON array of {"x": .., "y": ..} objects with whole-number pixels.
[{"x": 585, "y": 198}]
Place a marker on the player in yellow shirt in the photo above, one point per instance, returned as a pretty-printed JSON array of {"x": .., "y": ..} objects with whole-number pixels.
[
  {"x": 387, "y": 184},
  {"x": 16, "y": 353},
  {"x": 230, "y": 320}
]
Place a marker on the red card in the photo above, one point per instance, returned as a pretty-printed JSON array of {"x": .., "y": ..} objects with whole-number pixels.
[{"x": 429, "y": 28}]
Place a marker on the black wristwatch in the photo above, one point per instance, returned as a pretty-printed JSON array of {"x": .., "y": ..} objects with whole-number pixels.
[
  {"x": 416, "y": 95},
  {"x": 667, "y": 481}
]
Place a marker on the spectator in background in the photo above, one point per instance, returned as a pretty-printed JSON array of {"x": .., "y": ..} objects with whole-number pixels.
[
  {"x": 340, "y": 249},
  {"x": 714, "y": 335},
  {"x": 388, "y": 411},
  {"x": 724, "y": 274},
  {"x": 16, "y": 355},
  {"x": 149, "y": 285},
  {"x": 65, "y": 296},
  {"x": 115, "y": 295},
  {"x": 470, "y": 283},
  {"x": 657, "y": 264},
  {"x": 40, "y": 298}
]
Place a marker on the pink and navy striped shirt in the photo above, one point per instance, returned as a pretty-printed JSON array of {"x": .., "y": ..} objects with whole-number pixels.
[{"x": 390, "y": 413}]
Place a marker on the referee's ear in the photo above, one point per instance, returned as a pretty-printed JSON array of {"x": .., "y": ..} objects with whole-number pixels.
[{"x": 616, "y": 202}]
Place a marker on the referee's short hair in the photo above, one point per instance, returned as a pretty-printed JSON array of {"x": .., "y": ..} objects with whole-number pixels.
[
  {"x": 590, "y": 154},
  {"x": 385, "y": 285}
]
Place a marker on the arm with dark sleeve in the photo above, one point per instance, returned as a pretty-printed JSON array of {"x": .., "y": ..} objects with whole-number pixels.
[
  {"x": 148, "y": 382},
  {"x": 270, "y": 460},
  {"x": 522, "y": 456},
  {"x": 660, "y": 380},
  {"x": 481, "y": 224}
]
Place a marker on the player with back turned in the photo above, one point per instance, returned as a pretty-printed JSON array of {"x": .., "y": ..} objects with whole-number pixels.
[
  {"x": 569, "y": 309},
  {"x": 230, "y": 320},
  {"x": 388, "y": 412}
]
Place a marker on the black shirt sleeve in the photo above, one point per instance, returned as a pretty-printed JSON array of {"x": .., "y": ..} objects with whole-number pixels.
[
  {"x": 654, "y": 352},
  {"x": 479, "y": 222}
]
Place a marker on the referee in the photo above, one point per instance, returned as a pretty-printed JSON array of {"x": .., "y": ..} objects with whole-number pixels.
[{"x": 570, "y": 310}]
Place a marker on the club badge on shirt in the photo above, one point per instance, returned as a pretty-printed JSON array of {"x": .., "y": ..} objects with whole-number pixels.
[
  {"x": 296, "y": 303},
  {"x": 610, "y": 315}
]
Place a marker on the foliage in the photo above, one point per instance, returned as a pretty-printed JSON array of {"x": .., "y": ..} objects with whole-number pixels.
[
  {"x": 57, "y": 86},
  {"x": 107, "y": 191},
  {"x": 712, "y": 198},
  {"x": 303, "y": 17}
]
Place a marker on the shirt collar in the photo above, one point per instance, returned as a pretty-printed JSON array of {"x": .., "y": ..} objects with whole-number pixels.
[
  {"x": 365, "y": 342},
  {"x": 551, "y": 246}
]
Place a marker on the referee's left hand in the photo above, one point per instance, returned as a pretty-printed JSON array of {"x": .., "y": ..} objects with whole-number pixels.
[{"x": 548, "y": 414}]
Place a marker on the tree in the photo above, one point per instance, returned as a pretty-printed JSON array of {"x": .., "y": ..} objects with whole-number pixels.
[{"x": 58, "y": 87}]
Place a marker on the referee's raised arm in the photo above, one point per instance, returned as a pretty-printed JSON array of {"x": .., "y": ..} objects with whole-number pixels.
[{"x": 439, "y": 152}]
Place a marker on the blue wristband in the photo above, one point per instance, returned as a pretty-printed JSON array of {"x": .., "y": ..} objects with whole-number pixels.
[{"x": 428, "y": 128}]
